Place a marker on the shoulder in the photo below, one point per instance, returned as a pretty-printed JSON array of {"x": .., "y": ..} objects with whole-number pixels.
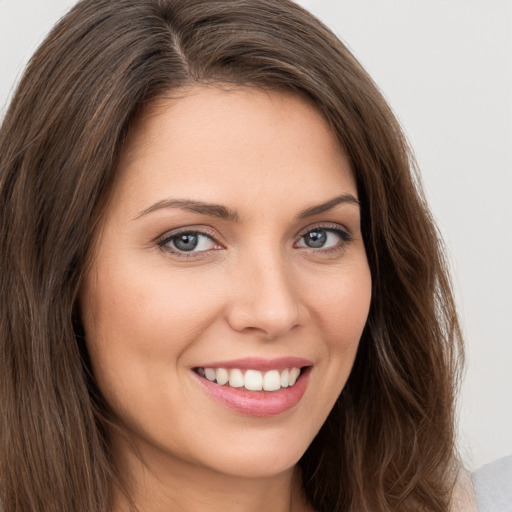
[{"x": 493, "y": 486}]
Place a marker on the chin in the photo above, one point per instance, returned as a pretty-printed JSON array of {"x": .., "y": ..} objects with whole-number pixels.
[
  {"x": 260, "y": 466},
  {"x": 258, "y": 455}
]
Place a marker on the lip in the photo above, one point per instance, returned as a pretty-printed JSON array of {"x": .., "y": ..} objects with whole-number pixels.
[
  {"x": 256, "y": 403},
  {"x": 259, "y": 363}
]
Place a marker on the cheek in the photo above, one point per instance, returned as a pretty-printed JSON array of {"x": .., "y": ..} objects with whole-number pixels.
[
  {"x": 339, "y": 310},
  {"x": 138, "y": 296},
  {"x": 137, "y": 321},
  {"x": 341, "y": 307}
]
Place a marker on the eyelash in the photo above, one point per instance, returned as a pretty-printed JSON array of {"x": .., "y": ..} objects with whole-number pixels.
[
  {"x": 343, "y": 234},
  {"x": 168, "y": 238}
]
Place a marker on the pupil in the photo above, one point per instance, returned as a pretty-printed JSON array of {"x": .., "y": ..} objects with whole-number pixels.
[
  {"x": 186, "y": 242},
  {"x": 316, "y": 238}
]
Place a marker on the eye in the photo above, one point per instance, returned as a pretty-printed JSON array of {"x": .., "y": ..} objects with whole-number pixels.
[
  {"x": 188, "y": 242},
  {"x": 324, "y": 238}
]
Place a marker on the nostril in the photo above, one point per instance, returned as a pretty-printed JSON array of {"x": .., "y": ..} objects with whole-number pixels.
[{"x": 263, "y": 321}]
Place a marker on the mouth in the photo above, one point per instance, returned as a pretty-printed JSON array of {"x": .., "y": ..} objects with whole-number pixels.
[
  {"x": 255, "y": 389},
  {"x": 252, "y": 379}
]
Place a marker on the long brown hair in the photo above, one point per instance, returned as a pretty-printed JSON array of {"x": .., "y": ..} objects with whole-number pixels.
[{"x": 388, "y": 444}]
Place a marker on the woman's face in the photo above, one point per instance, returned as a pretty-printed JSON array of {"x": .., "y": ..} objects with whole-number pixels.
[{"x": 231, "y": 250}]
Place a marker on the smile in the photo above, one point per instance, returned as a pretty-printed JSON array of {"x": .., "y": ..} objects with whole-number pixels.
[
  {"x": 250, "y": 379},
  {"x": 256, "y": 387}
]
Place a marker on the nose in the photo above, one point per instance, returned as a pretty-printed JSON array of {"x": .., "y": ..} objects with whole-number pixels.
[{"x": 265, "y": 301}]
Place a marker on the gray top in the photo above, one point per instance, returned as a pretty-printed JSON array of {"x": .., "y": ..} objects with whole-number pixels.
[{"x": 493, "y": 486}]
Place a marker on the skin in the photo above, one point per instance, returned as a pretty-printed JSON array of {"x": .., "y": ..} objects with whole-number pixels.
[{"x": 254, "y": 289}]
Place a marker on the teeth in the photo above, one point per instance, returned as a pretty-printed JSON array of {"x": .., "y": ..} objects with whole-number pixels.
[
  {"x": 222, "y": 376},
  {"x": 272, "y": 381},
  {"x": 294, "y": 373},
  {"x": 209, "y": 373},
  {"x": 285, "y": 378},
  {"x": 236, "y": 378},
  {"x": 253, "y": 380}
]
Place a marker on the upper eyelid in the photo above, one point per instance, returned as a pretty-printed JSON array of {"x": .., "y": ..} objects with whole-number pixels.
[
  {"x": 188, "y": 229},
  {"x": 344, "y": 235},
  {"x": 333, "y": 226},
  {"x": 163, "y": 241}
]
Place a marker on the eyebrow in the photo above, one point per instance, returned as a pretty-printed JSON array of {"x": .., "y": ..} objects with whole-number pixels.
[
  {"x": 328, "y": 205},
  {"x": 212, "y": 210},
  {"x": 221, "y": 212}
]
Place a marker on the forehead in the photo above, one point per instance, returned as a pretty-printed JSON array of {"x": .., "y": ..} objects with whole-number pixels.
[{"x": 223, "y": 143}]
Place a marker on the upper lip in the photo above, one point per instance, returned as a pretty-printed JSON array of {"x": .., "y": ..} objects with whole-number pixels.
[{"x": 261, "y": 364}]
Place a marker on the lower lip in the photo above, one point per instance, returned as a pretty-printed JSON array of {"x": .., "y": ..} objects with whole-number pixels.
[{"x": 257, "y": 403}]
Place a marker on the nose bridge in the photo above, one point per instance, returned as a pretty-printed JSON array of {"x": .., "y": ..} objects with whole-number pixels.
[{"x": 266, "y": 300}]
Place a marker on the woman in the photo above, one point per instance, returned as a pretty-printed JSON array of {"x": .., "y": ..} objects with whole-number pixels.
[{"x": 221, "y": 286}]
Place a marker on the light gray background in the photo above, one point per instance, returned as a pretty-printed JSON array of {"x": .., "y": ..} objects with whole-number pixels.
[{"x": 445, "y": 66}]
